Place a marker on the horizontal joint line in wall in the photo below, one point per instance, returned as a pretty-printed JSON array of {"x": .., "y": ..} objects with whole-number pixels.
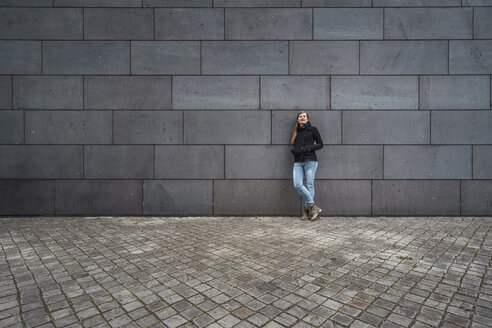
[
  {"x": 263, "y": 144},
  {"x": 438, "y": 39}
]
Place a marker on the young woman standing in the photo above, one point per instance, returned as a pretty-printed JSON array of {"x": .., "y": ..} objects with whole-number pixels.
[{"x": 306, "y": 140}]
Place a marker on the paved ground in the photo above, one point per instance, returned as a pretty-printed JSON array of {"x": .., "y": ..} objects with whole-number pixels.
[{"x": 245, "y": 272}]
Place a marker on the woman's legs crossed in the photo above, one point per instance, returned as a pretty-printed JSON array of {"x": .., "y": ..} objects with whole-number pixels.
[
  {"x": 309, "y": 174},
  {"x": 299, "y": 173}
]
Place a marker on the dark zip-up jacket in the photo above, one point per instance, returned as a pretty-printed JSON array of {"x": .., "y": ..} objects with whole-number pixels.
[{"x": 304, "y": 145}]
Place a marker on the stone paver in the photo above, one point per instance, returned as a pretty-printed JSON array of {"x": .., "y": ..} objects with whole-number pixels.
[{"x": 246, "y": 272}]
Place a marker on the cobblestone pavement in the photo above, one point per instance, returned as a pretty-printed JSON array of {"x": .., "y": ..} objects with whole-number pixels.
[{"x": 245, "y": 272}]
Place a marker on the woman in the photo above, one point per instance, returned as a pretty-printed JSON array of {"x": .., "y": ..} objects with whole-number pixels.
[{"x": 305, "y": 162}]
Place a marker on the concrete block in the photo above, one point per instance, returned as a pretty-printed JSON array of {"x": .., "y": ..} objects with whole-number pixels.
[
  {"x": 98, "y": 197},
  {"x": 20, "y": 57},
  {"x": 417, "y": 3},
  {"x": 143, "y": 127},
  {"x": 118, "y": 24},
  {"x": 416, "y": 197},
  {"x": 337, "y": 3},
  {"x": 404, "y": 57},
  {"x": 482, "y": 162},
  {"x": 68, "y": 127},
  {"x": 324, "y": 57},
  {"x": 428, "y": 23},
  {"x": 5, "y": 92},
  {"x": 470, "y": 57},
  {"x": 374, "y": 92},
  {"x": 41, "y": 162},
  {"x": 97, "y": 3},
  {"x": 454, "y": 92},
  {"x": 482, "y": 28},
  {"x": 216, "y": 92},
  {"x": 427, "y": 162},
  {"x": 257, "y": 3},
  {"x": 118, "y": 162},
  {"x": 476, "y": 197},
  {"x": 383, "y": 127},
  {"x": 165, "y": 57},
  {"x": 238, "y": 127},
  {"x": 11, "y": 127},
  {"x": 329, "y": 124},
  {"x": 256, "y": 197},
  {"x": 189, "y": 162},
  {"x": 295, "y": 92},
  {"x": 268, "y": 24},
  {"x": 47, "y": 92},
  {"x": 476, "y": 2},
  {"x": 189, "y": 24},
  {"x": 461, "y": 127},
  {"x": 350, "y": 162},
  {"x": 26, "y": 3},
  {"x": 245, "y": 57},
  {"x": 342, "y": 197},
  {"x": 258, "y": 162},
  {"x": 181, "y": 197},
  {"x": 40, "y": 23},
  {"x": 177, "y": 3},
  {"x": 348, "y": 23},
  {"x": 86, "y": 57},
  {"x": 27, "y": 197},
  {"x": 127, "y": 92}
]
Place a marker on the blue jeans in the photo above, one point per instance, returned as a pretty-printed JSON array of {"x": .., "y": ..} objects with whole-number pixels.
[{"x": 301, "y": 171}]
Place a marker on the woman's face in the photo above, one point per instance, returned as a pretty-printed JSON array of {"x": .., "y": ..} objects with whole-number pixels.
[{"x": 302, "y": 118}]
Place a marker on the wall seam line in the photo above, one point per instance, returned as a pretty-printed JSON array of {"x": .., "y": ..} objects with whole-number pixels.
[
  {"x": 288, "y": 57},
  {"x": 449, "y": 55},
  {"x": 472, "y": 153},
  {"x": 372, "y": 199},
  {"x": 341, "y": 126},
  {"x": 130, "y": 56},
  {"x": 461, "y": 200},
  {"x": 384, "y": 22},
  {"x": 83, "y": 162},
  {"x": 54, "y": 197},
  {"x": 473, "y": 21},
  {"x": 12, "y": 92},
  {"x": 83, "y": 92},
  {"x": 430, "y": 127},
  {"x": 25, "y": 128},
  {"x": 259, "y": 92},
  {"x": 312, "y": 23},
  {"x": 112, "y": 127},
  {"x": 42, "y": 60},
  {"x": 142, "y": 196},
  {"x": 359, "y": 57},
  {"x": 384, "y": 150}
]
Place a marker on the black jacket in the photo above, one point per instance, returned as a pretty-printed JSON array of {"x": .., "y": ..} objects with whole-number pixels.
[{"x": 304, "y": 147}]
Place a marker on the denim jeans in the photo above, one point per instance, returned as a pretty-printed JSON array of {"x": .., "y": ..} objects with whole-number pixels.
[{"x": 307, "y": 171}]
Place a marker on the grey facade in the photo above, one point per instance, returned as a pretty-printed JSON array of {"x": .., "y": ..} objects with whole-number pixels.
[{"x": 164, "y": 107}]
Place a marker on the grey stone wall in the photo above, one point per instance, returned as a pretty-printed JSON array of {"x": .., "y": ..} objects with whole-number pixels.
[{"x": 166, "y": 107}]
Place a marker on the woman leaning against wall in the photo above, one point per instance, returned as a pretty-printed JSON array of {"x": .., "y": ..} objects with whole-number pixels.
[{"x": 306, "y": 140}]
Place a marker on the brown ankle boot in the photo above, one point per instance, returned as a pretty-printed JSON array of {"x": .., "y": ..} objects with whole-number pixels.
[
  {"x": 314, "y": 211},
  {"x": 305, "y": 213}
]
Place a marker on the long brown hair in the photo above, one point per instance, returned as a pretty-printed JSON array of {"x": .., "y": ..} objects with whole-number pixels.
[{"x": 294, "y": 135}]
